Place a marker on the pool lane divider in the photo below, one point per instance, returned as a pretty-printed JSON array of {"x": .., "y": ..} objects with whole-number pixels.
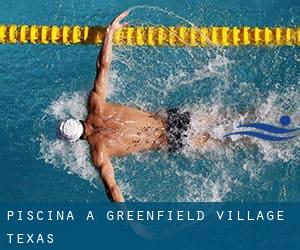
[{"x": 152, "y": 35}]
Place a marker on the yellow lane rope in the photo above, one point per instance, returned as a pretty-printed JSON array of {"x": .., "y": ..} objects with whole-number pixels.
[{"x": 152, "y": 35}]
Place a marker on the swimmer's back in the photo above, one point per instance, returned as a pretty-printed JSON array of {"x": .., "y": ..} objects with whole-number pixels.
[{"x": 126, "y": 130}]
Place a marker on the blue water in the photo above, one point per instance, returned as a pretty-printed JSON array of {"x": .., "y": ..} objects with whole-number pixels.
[{"x": 42, "y": 84}]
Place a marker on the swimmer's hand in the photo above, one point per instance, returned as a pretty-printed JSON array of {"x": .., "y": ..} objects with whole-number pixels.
[{"x": 115, "y": 24}]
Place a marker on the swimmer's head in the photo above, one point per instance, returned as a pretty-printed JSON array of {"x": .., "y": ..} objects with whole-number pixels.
[{"x": 70, "y": 130}]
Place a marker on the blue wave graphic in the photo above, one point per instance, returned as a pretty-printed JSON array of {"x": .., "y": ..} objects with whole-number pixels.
[
  {"x": 284, "y": 121},
  {"x": 269, "y": 128},
  {"x": 262, "y": 136}
]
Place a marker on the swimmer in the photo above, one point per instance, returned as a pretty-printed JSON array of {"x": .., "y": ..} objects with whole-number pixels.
[{"x": 114, "y": 130}]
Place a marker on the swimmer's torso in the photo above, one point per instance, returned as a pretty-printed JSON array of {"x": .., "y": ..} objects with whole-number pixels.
[{"x": 124, "y": 130}]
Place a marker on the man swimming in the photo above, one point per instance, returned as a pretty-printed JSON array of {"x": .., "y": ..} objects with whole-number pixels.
[{"x": 117, "y": 130}]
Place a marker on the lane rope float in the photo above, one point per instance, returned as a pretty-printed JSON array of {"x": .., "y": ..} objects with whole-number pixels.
[{"x": 152, "y": 35}]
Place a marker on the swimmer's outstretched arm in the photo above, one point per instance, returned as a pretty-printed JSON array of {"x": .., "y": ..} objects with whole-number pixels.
[
  {"x": 105, "y": 56},
  {"x": 103, "y": 164}
]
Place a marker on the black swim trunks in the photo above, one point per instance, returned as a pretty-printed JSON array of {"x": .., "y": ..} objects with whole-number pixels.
[{"x": 177, "y": 125}]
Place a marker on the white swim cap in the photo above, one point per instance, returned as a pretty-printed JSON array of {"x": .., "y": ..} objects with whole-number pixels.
[{"x": 70, "y": 130}]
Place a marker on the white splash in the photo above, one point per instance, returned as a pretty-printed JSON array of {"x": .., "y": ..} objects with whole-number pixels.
[
  {"x": 210, "y": 189},
  {"x": 218, "y": 121},
  {"x": 68, "y": 105},
  {"x": 72, "y": 157}
]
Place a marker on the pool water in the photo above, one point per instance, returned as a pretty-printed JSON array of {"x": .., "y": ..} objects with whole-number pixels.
[{"x": 43, "y": 84}]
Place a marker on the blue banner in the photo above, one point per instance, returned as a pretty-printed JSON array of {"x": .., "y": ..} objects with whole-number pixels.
[{"x": 150, "y": 226}]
